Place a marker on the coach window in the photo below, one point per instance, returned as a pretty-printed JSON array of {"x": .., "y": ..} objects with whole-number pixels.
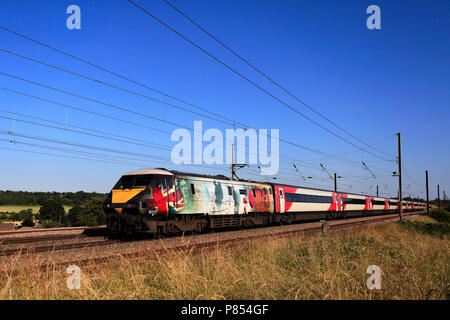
[
  {"x": 192, "y": 188},
  {"x": 242, "y": 191},
  {"x": 281, "y": 193},
  {"x": 230, "y": 191}
]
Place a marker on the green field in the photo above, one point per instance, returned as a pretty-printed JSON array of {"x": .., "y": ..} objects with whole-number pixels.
[{"x": 17, "y": 208}]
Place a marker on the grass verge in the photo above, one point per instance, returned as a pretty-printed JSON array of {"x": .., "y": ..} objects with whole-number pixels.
[{"x": 414, "y": 265}]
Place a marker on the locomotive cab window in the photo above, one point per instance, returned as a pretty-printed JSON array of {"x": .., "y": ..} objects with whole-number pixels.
[
  {"x": 230, "y": 191},
  {"x": 243, "y": 191},
  {"x": 138, "y": 181}
]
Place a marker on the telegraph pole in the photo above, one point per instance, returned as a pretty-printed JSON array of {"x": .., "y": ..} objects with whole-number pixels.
[
  {"x": 377, "y": 191},
  {"x": 400, "y": 175},
  {"x": 426, "y": 178},
  {"x": 439, "y": 200},
  {"x": 335, "y": 182}
]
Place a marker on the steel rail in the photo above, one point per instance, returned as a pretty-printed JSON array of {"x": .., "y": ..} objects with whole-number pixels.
[
  {"x": 14, "y": 232},
  {"x": 13, "y": 240},
  {"x": 56, "y": 247}
]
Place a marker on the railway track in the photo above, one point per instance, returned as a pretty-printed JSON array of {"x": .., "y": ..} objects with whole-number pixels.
[
  {"x": 14, "y": 240},
  {"x": 55, "y": 247},
  {"x": 52, "y": 230},
  {"x": 205, "y": 240},
  {"x": 87, "y": 232}
]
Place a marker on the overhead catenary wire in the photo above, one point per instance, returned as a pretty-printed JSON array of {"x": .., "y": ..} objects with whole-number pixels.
[
  {"x": 114, "y": 86},
  {"x": 71, "y": 157},
  {"x": 105, "y": 135},
  {"x": 253, "y": 83},
  {"x": 151, "y": 144},
  {"x": 116, "y": 74},
  {"x": 140, "y": 95},
  {"x": 92, "y": 147},
  {"x": 279, "y": 177},
  {"x": 134, "y": 112},
  {"x": 98, "y": 134},
  {"x": 218, "y": 115},
  {"x": 116, "y": 158},
  {"x": 270, "y": 79},
  {"x": 329, "y": 155},
  {"x": 110, "y": 72}
]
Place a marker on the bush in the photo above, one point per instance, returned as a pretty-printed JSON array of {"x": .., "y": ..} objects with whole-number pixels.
[
  {"x": 26, "y": 214},
  {"x": 440, "y": 215},
  {"x": 441, "y": 228},
  {"x": 435, "y": 229},
  {"x": 74, "y": 216}
]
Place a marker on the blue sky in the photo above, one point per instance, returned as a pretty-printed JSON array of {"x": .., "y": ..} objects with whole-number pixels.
[{"x": 373, "y": 83}]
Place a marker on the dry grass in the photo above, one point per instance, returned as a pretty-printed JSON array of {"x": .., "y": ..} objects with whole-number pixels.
[{"x": 414, "y": 266}]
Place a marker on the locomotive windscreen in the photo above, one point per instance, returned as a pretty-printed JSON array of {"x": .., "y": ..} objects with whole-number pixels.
[{"x": 129, "y": 182}]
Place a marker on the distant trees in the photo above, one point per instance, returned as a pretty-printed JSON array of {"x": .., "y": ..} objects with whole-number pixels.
[
  {"x": 413, "y": 199},
  {"x": 24, "y": 215},
  {"x": 87, "y": 207},
  {"x": 37, "y": 198}
]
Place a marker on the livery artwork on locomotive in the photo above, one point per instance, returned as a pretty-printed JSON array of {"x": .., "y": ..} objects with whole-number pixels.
[{"x": 166, "y": 202}]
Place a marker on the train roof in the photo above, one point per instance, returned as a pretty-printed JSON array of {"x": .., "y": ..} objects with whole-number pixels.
[
  {"x": 149, "y": 171},
  {"x": 167, "y": 172}
]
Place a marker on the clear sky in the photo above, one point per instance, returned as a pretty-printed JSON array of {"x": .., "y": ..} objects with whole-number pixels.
[{"x": 373, "y": 83}]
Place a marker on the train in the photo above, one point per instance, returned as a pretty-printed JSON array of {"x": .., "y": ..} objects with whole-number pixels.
[{"x": 166, "y": 202}]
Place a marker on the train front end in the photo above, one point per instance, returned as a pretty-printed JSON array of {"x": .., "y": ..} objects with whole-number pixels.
[{"x": 138, "y": 198}]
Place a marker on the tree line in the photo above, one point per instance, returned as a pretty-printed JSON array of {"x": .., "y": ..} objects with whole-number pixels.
[
  {"x": 87, "y": 208},
  {"x": 26, "y": 198}
]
